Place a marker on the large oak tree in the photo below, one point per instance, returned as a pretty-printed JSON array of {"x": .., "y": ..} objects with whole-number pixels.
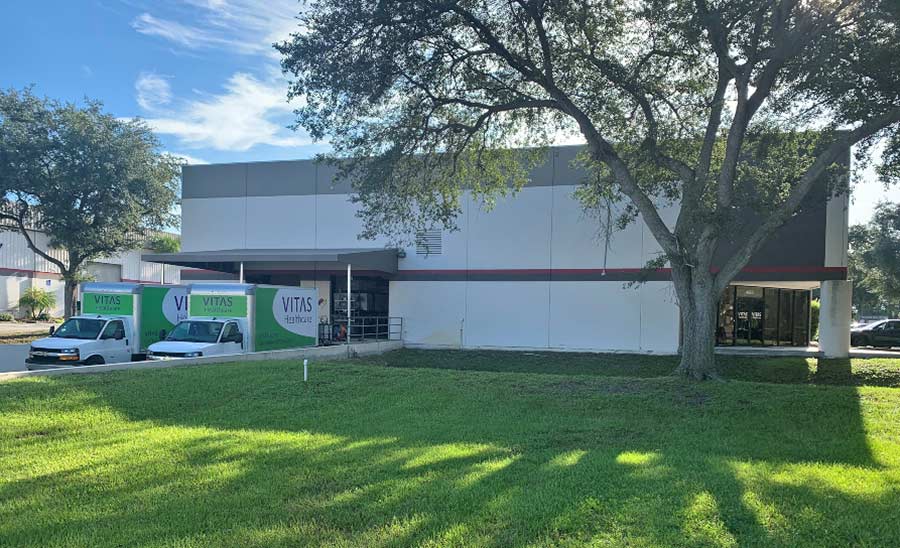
[
  {"x": 714, "y": 106},
  {"x": 94, "y": 184}
]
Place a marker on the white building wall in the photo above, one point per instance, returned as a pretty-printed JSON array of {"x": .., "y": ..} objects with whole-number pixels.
[
  {"x": 541, "y": 232},
  {"x": 21, "y": 268},
  {"x": 413, "y": 300},
  {"x": 514, "y": 234},
  {"x": 595, "y": 315},
  {"x": 660, "y": 320},
  {"x": 505, "y": 314},
  {"x": 281, "y": 222},
  {"x": 214, "y": 224}
]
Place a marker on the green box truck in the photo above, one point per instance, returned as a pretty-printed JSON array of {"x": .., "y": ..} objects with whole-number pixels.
[
  {"x": 232, "y": 318},
  {"x": 118, "y": 321}
]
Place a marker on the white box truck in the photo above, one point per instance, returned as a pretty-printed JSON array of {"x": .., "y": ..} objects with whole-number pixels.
[
  {"x": 232, "y": 318},
  {"x": 118, "y": 321}
]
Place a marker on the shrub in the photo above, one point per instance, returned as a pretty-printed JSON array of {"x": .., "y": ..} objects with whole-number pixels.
[
  {"x": 814, "y": 319},
  {"x": 37, "y": 301},
  {"x": 6, "y": 317}
]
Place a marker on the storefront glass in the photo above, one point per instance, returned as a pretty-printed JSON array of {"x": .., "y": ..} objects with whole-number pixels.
[{"x": 757, "y": 316}]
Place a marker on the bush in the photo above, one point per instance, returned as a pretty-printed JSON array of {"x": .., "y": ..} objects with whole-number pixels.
[
  {"x": 6, "y": 317},
  {"x": 37, "y": 301},
  {"x": 814, "y": 319}
]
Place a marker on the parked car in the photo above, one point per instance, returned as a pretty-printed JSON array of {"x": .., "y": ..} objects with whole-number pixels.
[
  {"x": 84, "y": 340},
  {"x": 880, "y": 334}
]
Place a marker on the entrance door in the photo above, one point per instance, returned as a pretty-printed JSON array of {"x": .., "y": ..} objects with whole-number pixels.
[{"x": 749, "y": 307}]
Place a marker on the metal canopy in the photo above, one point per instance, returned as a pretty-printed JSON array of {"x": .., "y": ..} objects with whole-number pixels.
[{"x": 230, "y": 260}]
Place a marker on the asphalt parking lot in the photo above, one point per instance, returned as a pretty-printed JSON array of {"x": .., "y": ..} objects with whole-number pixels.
[{"x": 12, "y": 357}]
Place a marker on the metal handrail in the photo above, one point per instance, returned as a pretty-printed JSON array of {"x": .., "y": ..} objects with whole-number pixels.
[{"x": 362, "y": 328}]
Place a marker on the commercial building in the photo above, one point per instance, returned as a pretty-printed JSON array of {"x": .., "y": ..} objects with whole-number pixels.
[
  {"x": 21, "y": 268},
  {"x": 535, "y": 272}
]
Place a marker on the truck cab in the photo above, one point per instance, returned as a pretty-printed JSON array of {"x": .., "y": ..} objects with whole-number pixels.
[
  {"x": 84, "y": 340},
  {"x": 196, "y": 337}
]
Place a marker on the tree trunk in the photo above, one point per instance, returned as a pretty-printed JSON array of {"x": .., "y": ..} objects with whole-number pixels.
[
  {"x": 697, "y": 301},
  {"x": 69, "y": 299}
]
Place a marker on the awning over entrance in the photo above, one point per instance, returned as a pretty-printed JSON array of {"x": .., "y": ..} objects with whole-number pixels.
[{"x": 232, "y": 260}]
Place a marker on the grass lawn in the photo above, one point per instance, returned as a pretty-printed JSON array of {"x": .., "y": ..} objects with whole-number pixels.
[{"x": 454, "y": 449}]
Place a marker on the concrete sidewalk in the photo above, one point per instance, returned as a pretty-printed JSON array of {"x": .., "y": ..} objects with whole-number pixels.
[
  {"x": 23, "y": 328},
  {"x": 806, "y": 352}
]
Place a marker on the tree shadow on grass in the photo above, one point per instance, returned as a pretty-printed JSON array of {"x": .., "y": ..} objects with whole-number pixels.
[
  {"x": 249, "y": 455},
  {"x": 772, "y": 369}
]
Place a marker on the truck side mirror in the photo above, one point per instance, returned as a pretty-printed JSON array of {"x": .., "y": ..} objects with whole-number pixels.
[
  {"x": 52, "y": 330},
  {"x": 162, "y": 334}
]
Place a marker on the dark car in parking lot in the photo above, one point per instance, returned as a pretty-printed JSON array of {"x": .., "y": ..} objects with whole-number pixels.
[{"x": 881, "y": 334}]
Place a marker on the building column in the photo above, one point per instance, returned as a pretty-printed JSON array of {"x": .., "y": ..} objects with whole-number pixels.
[{"x": 834, "y": 318}]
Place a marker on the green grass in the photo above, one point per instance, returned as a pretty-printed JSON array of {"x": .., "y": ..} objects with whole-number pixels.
[
  {"x": 453, "y": 449},
  {"x": 855, "y": 372}
]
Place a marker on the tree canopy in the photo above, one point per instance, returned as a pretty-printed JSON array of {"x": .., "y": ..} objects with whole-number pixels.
[
  {"x": 714, "y": 106},
  {"x": 92, "y": 182},
  {"x": 875, "y": 262}
]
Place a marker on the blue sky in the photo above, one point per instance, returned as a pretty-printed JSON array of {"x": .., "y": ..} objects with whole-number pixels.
[{"x": 201, "y": 72}]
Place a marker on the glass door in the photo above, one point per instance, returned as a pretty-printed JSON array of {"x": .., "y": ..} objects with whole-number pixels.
[
  {"x": 770, "y": 316},
  {"x": 749, "y": 308}
]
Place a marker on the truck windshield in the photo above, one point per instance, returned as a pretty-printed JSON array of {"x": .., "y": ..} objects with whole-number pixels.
[
  {"x": 191, "y": 331},
  {"x": 80, "y": 328}
]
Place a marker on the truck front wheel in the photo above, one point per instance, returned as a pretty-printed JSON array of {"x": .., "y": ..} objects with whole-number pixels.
[{"x": 94, "y": 360}]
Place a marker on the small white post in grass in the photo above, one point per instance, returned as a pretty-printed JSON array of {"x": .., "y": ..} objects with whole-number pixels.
[{"x": 305, "y": 370}]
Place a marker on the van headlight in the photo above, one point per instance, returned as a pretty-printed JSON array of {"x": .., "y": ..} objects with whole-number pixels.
[
  {"x": 69, "y": 351},
  {"x": 193, "y": 354}
]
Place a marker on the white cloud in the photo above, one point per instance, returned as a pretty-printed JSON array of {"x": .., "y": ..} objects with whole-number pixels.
[
  {"x": 248, "y": 27},
  {"x": 251, "y": 110},
  {"x": 190, "y": 160},
  {"x": 245, "y": 115},
  {"x": 152, "y": 91}
]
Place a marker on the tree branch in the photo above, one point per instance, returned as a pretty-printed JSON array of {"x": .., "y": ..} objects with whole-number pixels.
[{"x": 759, "y": 236}]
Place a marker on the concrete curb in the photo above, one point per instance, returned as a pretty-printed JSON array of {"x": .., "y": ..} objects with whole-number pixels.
[{"x": 318, "y": 352}]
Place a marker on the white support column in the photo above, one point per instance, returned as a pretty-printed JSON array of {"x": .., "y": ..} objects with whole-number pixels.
[
  {"x": 835, "y": 316},
  {"x": 241, "y": 275}
]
